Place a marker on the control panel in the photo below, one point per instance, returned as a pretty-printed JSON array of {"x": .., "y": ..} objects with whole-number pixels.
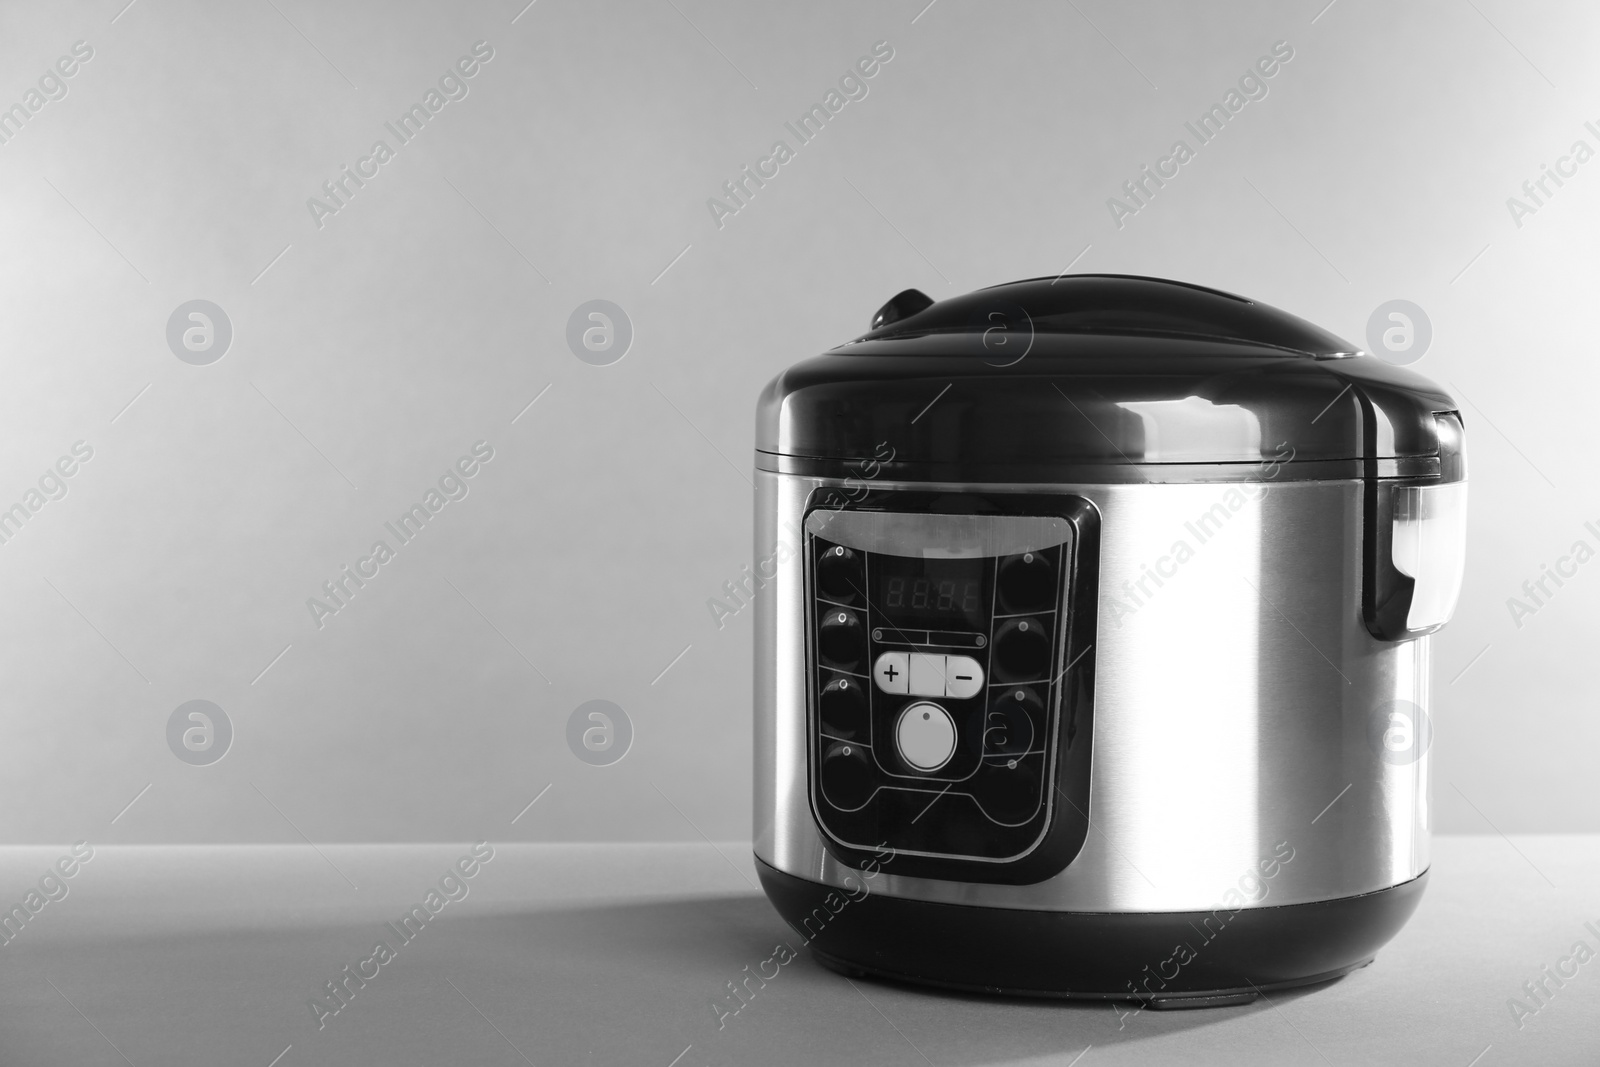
[{"x": 940, "y": 649}]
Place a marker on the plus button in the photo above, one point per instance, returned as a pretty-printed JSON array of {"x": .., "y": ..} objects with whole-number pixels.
[{"x": 889, "y": 671}]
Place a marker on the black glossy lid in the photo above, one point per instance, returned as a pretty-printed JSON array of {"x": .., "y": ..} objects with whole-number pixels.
[{"x": 1133, "y": 378}]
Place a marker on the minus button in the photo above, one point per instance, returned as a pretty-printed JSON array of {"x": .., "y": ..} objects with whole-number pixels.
[{"x": 963, "y": 677}]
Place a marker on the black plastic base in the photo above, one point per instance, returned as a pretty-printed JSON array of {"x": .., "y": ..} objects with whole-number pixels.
[{"x": 1162, "y": 959}]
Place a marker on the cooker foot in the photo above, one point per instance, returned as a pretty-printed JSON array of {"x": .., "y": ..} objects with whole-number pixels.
[{"x": 1216, "y": 1000}]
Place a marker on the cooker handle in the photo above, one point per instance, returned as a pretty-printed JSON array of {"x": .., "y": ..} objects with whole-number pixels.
[
  {"x": 903, "y": 305},
  {"x": 1415, "y": 544}
]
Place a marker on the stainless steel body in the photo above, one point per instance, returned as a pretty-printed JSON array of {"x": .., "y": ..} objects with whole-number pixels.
[{"x": 1239, "y": 705}]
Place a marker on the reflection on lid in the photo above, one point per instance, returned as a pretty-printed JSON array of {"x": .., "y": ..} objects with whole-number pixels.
[{"x": 1194, "y": 429}]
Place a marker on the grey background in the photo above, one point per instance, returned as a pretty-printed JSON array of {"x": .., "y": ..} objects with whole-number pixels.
[{"x": 371, "y": 353}]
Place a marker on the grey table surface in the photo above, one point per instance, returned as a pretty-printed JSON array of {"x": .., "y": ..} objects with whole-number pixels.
[{"x": 617, "y": 954}]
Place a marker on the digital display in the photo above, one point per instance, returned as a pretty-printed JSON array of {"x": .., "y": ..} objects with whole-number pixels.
[{"x": 932, "y": 594}]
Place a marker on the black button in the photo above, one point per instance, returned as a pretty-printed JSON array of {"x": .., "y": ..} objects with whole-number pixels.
[
  {"x": 1009, "y": 722},
  {"x": 1027, "y": 583},
  {"x": 847, "y": 779},
  {"x": 839, "y": 574},
  {"x": 1009, "y": 792},
  {"x": 841, "y": 639},
  {"x": 1022, "y": 651},
  {"x": 843, "y": 709}
]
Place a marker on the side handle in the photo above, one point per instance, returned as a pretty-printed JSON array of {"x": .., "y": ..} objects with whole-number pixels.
[{"x": 1415, "y": 544}]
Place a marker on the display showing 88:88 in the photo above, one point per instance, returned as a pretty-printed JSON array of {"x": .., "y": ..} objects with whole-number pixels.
[{"x": 922, "y": 590}]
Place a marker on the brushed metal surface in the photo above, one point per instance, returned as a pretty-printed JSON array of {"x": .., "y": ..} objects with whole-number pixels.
[{"x": 1236, "y": 696}]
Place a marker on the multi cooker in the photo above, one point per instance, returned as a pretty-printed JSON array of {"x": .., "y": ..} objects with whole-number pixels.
[{"x": 1092, "y": 647}]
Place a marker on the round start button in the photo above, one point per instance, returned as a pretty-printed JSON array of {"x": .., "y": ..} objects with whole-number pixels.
[{"x": 926, "y": 736}]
